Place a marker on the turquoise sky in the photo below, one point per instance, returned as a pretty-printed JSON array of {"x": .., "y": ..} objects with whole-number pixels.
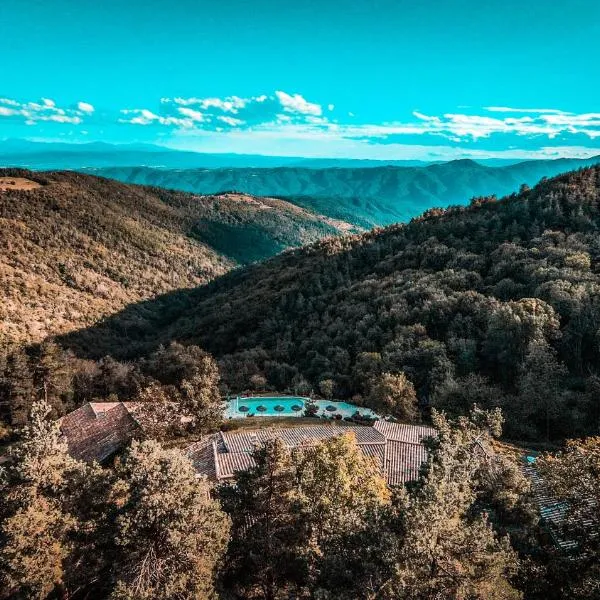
[{"x": 369, "y": 79}]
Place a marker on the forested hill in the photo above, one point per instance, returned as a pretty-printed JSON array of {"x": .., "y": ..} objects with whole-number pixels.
[
  {"x": 74, "y": 247},
  {"x": 366, "y": 196},
  {"x": 496, "y": 303}
]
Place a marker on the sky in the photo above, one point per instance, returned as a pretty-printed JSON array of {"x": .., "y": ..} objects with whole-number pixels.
[{"x": 379, "y": 79}]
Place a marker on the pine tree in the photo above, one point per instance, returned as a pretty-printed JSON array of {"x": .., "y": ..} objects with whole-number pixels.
[
  {"x": 19, "y": 388},
  {"x": 264, "y": 555},
  {"x": 446, "y": 550},
  {"x": 540, "y": 387},
  {"x": 45, "y": 526},
  {"x": 170, "y": 535}
]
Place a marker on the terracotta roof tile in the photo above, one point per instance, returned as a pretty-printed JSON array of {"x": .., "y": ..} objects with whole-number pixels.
[
  {"x": 400, "y": 456},
  {"x": 403, "y": 461},
  {"x": 96, "y": 431},
  {"x": 401, "y": 432}
]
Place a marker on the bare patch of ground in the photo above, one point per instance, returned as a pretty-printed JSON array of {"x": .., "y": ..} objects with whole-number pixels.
[{"x": 17, "y": 183}]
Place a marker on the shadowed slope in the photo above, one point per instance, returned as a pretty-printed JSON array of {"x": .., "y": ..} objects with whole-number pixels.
[{"x": 74, "y": 247}]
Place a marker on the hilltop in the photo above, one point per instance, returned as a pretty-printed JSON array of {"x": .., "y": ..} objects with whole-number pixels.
[{"x": 75, "y": 248}]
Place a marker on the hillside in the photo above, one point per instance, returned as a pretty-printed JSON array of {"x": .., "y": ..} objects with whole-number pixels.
[
  {"x": 366, "y": 196},
  {"x": 495, "y": 303},
  {"x": 74, "y": 247}
]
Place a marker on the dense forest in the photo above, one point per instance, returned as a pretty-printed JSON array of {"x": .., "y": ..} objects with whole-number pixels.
[
  {"x": 494, "y": 303},
  {"x": 77, "y": 247}
]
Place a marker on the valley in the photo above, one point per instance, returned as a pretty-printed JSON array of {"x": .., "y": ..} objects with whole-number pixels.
[{"x": 75, "y": 248}]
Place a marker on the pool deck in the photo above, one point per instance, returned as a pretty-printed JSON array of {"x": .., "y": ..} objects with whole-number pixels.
[{"x": 289, "y": 406}]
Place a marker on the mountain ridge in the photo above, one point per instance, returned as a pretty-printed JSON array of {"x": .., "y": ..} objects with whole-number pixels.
[{"x": 369, "y": 196}]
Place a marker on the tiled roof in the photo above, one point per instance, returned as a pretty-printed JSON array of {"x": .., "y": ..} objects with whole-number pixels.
[
  {"x": 97, "y": 430},
  {"x": 375, "y": 451},
  {"x": 245, "y": 441},
  {"x": 403, "y": 461},
  {"x": 202, "y": 456},
  {"x": 400, "y": 456},
  {"x": 401, "y": 432},
  {"x": 555, "y": 514},
  {"x": 230, "y": 462}
]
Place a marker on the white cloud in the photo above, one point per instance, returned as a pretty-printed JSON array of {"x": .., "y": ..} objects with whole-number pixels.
[
  {"x": 297, "y": 104},
  {"x": 44, "y": 111},
  {"x": 85, "y": 107},
  {"x": 507, "y": 109},
  {"x": 230, "y": 104},
  {"x": 143, "y": 116},
  {"x": 330, "y": 106},
  {"x": 192, "y": 114},
  {"x": 542, "y": 122},
  {"x": 230, "y": 121},
  {"x": 232, "y": 111}
]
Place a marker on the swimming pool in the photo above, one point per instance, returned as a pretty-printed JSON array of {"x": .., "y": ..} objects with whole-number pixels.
[{"x": 288, "y": 406}]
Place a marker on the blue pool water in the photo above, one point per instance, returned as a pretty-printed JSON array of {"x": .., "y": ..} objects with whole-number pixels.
[{"x": 287, "y": 406}]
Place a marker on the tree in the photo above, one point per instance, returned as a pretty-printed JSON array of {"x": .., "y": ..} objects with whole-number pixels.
[
  {"x": 52, "y": 376},
  {"x": 393, "y": 394},
  {"x": 512, "y": 328},
  {"x": 258, "y": 382},
  {"x": 157, "y": 411},
  {"x": 34, "y": 548},
  {"x": 457, "y": 396},
  {"x": 18, "y": 384},
  {"x": 540, "y": 387},
  {"x": 327, "y": 388},
  {"x": 194, "y": 374},
  {"x": 264, "y": 557},
  {"x": 446, "y": 551},
  {"x": 170, "y": 536},
  {"x": 48, "y": 520},
  {"x": 340, "y": 490},
  {"x": 573, "y": 479}
]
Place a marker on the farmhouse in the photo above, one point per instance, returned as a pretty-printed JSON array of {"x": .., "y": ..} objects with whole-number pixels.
[
  {"x": 396, "y": 447},
  {"x": 98, "y": 430}
]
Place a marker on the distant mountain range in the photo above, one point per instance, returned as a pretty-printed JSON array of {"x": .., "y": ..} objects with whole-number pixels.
[
  {"x": 60, "y": 156},
  {"x": 365, "y": 193},
  {"x": 365, "y": 196}
]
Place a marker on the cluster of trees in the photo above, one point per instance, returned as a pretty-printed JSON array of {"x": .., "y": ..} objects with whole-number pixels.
[
  {"x": 495, "y": 303},
  {"x": 173, "y": 383},
  {"x": 317, "y": 522},
  {"x": 146, "y": 529}
]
